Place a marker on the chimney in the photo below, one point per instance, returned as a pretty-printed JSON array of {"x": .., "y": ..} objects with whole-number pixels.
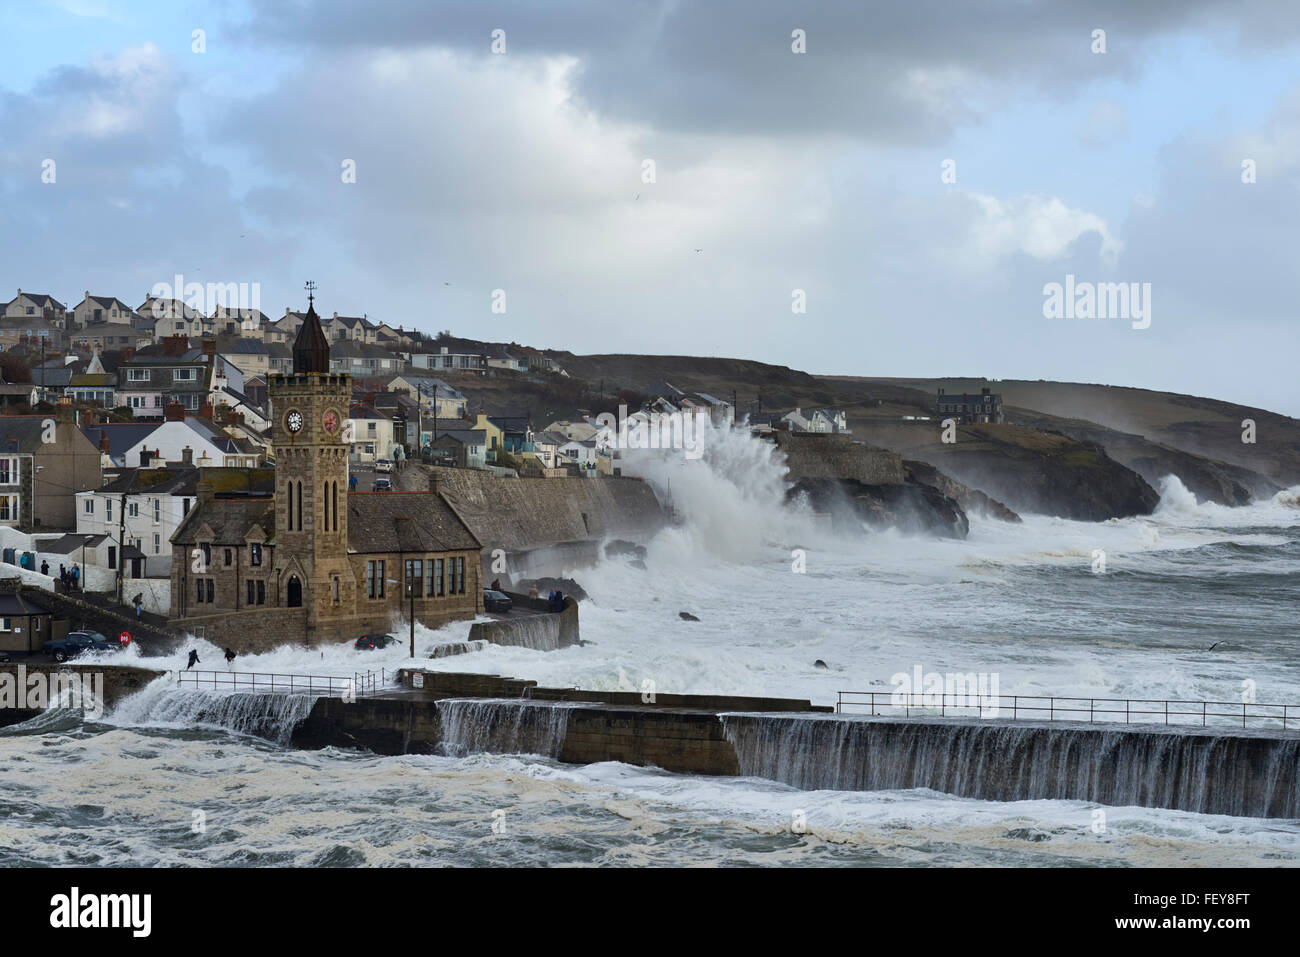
[
  {"x": 206, "y": 493},
  {"x": 187, "y": 456},
  {"x": 145, "y": 455},
  {"x": 174, "y": 412},
  {"x": 209, "y": 348},
  {"x": 205, "y": 410},
  {"x": 984, "y": 391},
  {"x": 175, "y": 345},
  {"x": 64, "y": 412},
  {"x": 103, "y": 443}
]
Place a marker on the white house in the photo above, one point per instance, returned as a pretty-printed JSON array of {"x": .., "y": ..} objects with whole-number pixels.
[
  {"x": 816, "y": 420},
  {"x": 192, "y": 441},
  {"x": 373, "y": 435},
  {"x": 153, "y": 501}
]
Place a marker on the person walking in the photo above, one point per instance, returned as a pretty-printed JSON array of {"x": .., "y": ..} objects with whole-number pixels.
[
  {"x": 139, "y": 601},
  {"x": 45, "y": 568},
  {"x": 76, "y": 576},
  {"x": 194, "y": 659}
]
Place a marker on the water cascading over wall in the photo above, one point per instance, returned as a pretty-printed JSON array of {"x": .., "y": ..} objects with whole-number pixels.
[
  {"x": 270, "y": 715},
  {"x": 496, "y": 726},
  {"x": 1211, "y": 772}
]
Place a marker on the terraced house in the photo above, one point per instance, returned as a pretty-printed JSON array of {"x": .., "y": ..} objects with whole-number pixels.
[
  {"x": 148, "y": 383},
  {"x": 109, "y": 309}
]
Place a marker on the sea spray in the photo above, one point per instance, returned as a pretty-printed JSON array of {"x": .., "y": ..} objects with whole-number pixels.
[
  {"x": 503, "y": 726},
  {"x": 731, "y": 500},
  {"x": 1190, "y": 770}
]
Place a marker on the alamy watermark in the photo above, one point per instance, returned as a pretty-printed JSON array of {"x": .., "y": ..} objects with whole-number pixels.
[
  {"x": 1098, "y": 300},
  {"x": 47, "y": 690},
  {"x": 933, "y": 689},
  {"x": 654, "y": 430},
  {"x": 242, "y": 299}
]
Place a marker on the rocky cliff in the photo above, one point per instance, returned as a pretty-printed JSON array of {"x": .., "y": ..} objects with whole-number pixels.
[
  {"x": 972, "y": 501},
  {"x": 1208, "y": 479},
  {"x": 1030, "y": 471},
  {"x": 907, "y": 506}
]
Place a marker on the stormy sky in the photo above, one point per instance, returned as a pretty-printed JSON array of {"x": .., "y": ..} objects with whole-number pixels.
[{"x": 774, "y": 171}]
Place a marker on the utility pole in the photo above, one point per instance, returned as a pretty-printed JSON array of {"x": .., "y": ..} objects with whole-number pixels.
[{"x": 121, "y": 547}]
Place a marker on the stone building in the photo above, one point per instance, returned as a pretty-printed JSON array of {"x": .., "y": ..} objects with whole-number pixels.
[
  {"x": 985, "y": 407},
  {"x": 44, "y": 461},
  {"x": 314, "y": 562}
]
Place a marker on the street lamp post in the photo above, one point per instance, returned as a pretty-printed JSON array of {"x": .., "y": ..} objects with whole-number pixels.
[{"x": 410, "y": 593}]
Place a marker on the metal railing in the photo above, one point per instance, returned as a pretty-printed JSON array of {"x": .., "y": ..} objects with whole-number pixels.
[
  {"x": 1171, "y": 712},
  {"x": 359, "y": 684}
]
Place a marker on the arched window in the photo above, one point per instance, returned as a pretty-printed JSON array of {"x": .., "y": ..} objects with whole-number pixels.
[
  {"x": 289, "y": 487},
  {"x": 299, "y": 525},
  {"x": 295, "y": 592}
]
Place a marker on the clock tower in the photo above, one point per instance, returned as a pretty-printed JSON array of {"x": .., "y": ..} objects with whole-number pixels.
[{"x": 310, "y": 410}]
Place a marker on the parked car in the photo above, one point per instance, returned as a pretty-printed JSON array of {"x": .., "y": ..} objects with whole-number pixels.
[
  {"x": 4, "y": 656},
  {"x": 496, "y": 601},
  {"x": 384, "y": 465},
  {"x": 77, "y": 642},
  {"x": 371, "y": 642},
  {"x": 383, "y": 485}
]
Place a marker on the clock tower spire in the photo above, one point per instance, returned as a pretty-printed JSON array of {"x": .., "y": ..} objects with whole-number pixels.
[{"x": 311, "y": 477}]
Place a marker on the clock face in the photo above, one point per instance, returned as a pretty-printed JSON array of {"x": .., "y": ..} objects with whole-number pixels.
[
  {"x": 293, "y": 420},
  {"x": 330, "y": 421}
]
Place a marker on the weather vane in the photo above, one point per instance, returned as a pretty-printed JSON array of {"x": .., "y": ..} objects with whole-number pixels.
[{"x": 311, "y": 289}]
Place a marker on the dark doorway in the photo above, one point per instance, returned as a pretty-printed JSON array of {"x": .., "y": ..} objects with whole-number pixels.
[{"x": 295, "y": 592}]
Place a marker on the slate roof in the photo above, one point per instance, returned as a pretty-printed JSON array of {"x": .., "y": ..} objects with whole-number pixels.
[
  {"x": 71, "y": 543},
  {"x": 108, "y": 302},
  {"x": 15, "y": 606},
  {"x": 463, "y": 436},
  {"x": 230, "y": 520},
  {"x": 425, "y": 385},
  {"x": 380, "y": 522},
  {"x": 121, "y": 435},
  {"x": 168, "y": 481},
  {"x": 21, "y": 433},
  {"x": 41, "y": 299}
]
